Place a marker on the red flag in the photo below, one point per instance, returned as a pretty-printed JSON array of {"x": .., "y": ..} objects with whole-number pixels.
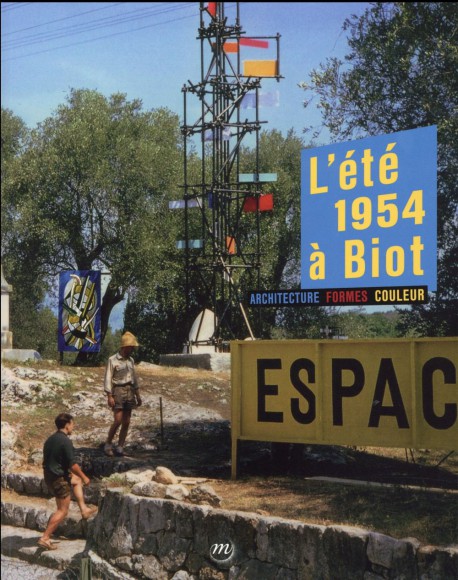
[
  {"x": 211, "y": 7},
  {"x": 264, "y": 202},
  {"x": 253, "y": 42}
]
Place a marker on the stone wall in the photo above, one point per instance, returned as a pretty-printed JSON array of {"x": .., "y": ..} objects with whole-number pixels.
[
  {"x": 160, "y": 539},
  {"x": 216, "y": 362},
  {"x": 164, "y": 539}
]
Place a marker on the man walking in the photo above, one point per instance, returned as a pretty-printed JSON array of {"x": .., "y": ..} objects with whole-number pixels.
[
  {"x": 62, "y": 475},
  {"x": 122, "y": 390}
]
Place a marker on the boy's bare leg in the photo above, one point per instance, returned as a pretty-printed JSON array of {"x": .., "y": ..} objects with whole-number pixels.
[
  {"x": 117, "y": 420},
  {"x": 63, "y": 504},
  {"x": 125, "y": 427},
  {"x": 77, "y": 486}
]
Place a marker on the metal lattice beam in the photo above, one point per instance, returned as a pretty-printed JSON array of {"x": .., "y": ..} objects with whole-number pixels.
[{"x": 222, "y": 253}]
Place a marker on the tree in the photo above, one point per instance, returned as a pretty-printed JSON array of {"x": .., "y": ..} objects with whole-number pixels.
[
  {"x": 35, "y": 329},
  {"x": 14, "y": 135},
  {"x": 163, "y": 328},
  {"x": 34, "y": 326},
  {"x": 279, "y": 229},
  {"x": 400, "y": 73},
  {"x": 90, "y": 192}
]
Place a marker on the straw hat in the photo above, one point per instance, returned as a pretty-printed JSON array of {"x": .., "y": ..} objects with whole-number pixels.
[{"x": 128, "y": 339}]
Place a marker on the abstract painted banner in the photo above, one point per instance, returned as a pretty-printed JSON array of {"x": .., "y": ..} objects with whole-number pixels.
[{"x": 79, "y": 311}]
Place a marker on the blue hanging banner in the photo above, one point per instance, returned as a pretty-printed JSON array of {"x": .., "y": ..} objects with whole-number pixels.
[{"x": 79, "y": 327}]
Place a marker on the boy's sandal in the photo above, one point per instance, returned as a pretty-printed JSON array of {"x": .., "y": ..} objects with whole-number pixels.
[{"x": 46, "y": 544}]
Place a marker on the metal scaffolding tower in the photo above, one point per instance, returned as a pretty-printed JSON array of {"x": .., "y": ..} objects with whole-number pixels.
[{"x": 222, "y": 206}]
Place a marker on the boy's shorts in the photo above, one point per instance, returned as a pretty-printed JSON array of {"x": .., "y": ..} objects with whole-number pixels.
[
  {"x": 124, "y": 397},
  {"x": 58, "y": 485}
]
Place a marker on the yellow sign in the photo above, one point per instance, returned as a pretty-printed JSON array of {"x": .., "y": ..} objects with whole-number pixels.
[{"x": 385, "y": 393}]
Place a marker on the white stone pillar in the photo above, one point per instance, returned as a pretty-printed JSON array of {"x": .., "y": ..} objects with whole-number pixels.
[{"x": 7, "y": 336}]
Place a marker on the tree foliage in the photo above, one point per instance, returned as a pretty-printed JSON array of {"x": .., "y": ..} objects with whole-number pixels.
[
  {"x": 399, "y": 74},
  {"x": 33, "y": 325},
  {"x": 89, "y": 191},
  {"x": 279, "y": 230},
  {"x": 14, "y": 135},
  {"x": 35, "y": 328}
]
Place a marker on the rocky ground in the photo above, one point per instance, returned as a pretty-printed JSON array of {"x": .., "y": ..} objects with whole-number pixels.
[
  {"x": 183, "y": 423},
  {"x": 182, "y": 408}
]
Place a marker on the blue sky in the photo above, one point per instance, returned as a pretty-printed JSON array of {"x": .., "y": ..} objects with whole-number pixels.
[{"x": 149, "y": 50}]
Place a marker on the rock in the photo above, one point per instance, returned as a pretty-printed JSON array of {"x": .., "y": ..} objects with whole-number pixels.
[
  {"x": 437, "y": 562},
  {"x": 150, "y": 489},
  {"x": 150, "y": 567},
  {"x": 36, "y": 457},
  {"x": 125, "y": 563},
  {"x": 166, "y": 476},
  {"x": 182, "y": 575},
  {"x": 33, "y": 483},
  {"x": 205, "y": 494},
  {"x": 10, "y": 459},
  {"x": 177, "y": 491},
  {"x": 210, "y": 573},
  {"x": 397, "y": 556},
  {"x": 29, "y": 385},
  {"x": 147, "y": 365},
  {"x": 139, "y": 476},
  {"x": 9, "y": 436}
]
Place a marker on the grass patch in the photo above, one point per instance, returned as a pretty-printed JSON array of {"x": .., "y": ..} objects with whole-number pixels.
[{"x": 430, "y": 517}]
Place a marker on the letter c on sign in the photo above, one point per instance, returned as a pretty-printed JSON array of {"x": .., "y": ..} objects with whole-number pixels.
[{"x": 448, "y": 418}]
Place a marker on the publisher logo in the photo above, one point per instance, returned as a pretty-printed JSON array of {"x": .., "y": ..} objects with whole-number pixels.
[{"x": 221, "y": 552}]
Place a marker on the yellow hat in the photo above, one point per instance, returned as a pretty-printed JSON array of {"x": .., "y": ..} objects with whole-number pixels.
[{"x": 128, "y": 339}]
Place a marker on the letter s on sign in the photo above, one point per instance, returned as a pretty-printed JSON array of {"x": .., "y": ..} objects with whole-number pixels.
[{"x": 300, "y": 416}]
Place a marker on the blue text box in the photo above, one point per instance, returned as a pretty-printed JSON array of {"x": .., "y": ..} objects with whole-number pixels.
[{"x": 369, "y": 212}]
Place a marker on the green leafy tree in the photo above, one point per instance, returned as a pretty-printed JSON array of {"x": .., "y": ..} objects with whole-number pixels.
[
  {"x": 303, "y": 322},
  {"x": 162, "y": 327},
  {"x": 33, "y": 325},
  {"x": 14, "y": 139},
  {"x": 90, "y": 191},
  {"x": 279, "y": 229},
  {"x": 110, "y": 345},
  {"x": 399, "y": 74},
  {"x": 14, "y": 136},
  {"x": 37, "y": 330}
]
